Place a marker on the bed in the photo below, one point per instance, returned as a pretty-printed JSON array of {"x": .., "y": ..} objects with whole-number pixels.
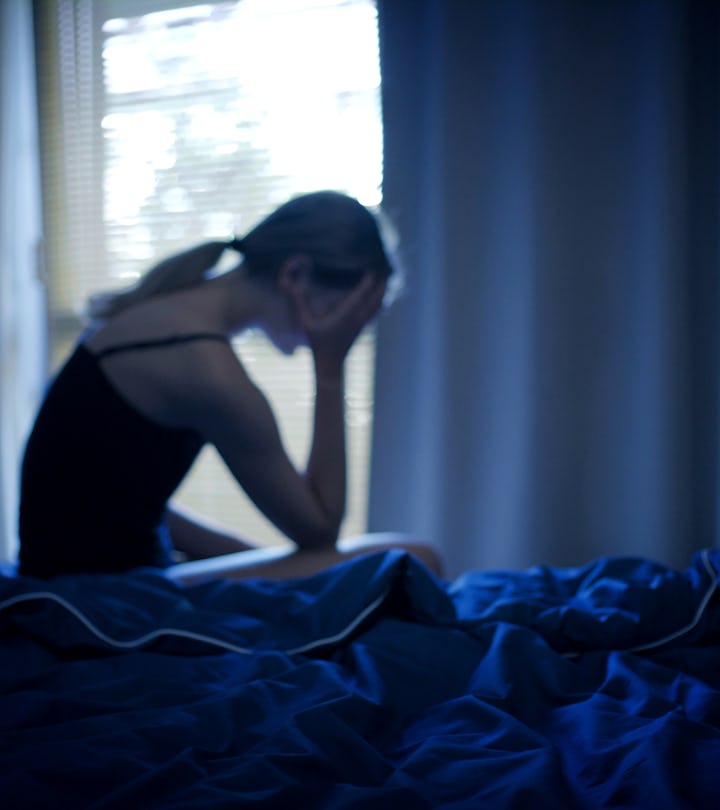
[{"x": 371, "y": 685}]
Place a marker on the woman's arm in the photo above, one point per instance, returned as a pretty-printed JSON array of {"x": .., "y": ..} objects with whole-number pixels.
[
  {"x": 326, "y": 471},
  {"x": 198, "y": 539},
  {"x": 224, "y": 406},
  {"x": 330, "y": 338},
  {"x": 230, "y": 412}
]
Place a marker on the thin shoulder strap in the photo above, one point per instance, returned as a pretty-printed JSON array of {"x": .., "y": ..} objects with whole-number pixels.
[{"x": 166, "y": 341}]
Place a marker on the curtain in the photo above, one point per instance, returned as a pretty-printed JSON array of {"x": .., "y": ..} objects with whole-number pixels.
[
  {"x": 22, "y": 331},
  {"x": 547, "y": 387}
]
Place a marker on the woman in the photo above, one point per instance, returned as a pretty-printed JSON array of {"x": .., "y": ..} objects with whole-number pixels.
[{"x": 155, "y": 378}]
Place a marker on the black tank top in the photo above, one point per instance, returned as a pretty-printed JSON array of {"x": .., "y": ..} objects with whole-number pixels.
[{"x": 97, "y": 474}]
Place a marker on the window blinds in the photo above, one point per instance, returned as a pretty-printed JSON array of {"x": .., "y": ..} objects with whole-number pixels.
[{"x": 167, "y": 123}]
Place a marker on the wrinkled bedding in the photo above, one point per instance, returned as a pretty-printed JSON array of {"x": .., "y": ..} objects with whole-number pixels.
[{"x": 370, "y": 685}]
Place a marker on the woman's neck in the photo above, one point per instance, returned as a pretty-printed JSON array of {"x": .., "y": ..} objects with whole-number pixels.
[{"x": 231, "y": 302}]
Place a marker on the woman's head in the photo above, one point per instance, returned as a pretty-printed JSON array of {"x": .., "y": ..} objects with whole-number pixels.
[
  {"x": 332, "y": 236},
  {"x": 314, "y": 250},
  {"x": 340, "y": 237}
]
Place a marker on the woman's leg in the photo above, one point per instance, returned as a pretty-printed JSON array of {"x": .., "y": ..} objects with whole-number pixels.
[
  {"x": 198, "y": 540},
  {"x": 284, "y": 563}
]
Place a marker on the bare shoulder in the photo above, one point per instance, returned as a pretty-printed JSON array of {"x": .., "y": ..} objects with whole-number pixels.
[
  {"x": 182, "y": 371},
  {"x": 218, "y": 397},
  {"x": 208, "y": 370},
  {"x": 144, "y": 321}
]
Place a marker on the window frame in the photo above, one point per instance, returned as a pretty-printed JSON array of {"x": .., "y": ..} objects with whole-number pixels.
[{"x": 72, "y": 145}]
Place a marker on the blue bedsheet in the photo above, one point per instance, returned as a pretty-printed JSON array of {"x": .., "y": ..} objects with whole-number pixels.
[{"x": 372, "y": 685}]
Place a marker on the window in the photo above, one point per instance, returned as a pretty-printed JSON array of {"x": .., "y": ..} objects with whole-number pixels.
[{"x": 164, "y": 124}]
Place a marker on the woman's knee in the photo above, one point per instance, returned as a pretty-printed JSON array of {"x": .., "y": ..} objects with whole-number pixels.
[
  {"x": 427, "y": 554},
  {"x": 422, "y": 550}
]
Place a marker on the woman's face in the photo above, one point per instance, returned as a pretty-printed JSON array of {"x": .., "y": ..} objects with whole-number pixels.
[
  {"x": 299, "y": 289},
  {"x": 288, "y": 335},
  {"x": 285, "y": 333},
  {"x": 321, "y": 299}
]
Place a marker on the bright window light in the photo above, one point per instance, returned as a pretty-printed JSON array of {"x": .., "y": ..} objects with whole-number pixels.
[{"x": 190, "y": 122}]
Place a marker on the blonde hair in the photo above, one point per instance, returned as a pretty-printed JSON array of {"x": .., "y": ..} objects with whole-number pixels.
[
  {"x": 341, "y": 236},
  {"x": 167, "y": 276}
]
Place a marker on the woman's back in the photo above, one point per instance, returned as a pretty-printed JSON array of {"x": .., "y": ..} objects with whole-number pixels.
[
  {"x": 96, "y": 476},
  {"x": 149, "y": 351}
]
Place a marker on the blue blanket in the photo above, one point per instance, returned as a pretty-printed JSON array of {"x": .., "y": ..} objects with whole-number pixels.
[{"x": 372, "y": 685}]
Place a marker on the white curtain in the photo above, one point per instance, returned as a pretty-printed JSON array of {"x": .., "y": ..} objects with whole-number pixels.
[
  {"x": 22, "y": 329},
  {"x": 547, "y": 389}
]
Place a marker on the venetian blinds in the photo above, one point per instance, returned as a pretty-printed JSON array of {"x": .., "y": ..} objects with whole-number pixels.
[{"x": 168, "y": 123}]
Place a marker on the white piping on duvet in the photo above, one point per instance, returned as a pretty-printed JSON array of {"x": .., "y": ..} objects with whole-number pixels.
[
  {"x": 321, "y": 642},
  {"x": 698, "y": 613},
  {"x": 187, "y": 634}
]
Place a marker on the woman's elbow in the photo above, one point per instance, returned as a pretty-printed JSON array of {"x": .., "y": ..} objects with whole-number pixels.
[{"x": 322, "y": 537}]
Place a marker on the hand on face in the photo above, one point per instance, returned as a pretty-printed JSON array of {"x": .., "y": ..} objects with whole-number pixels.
[{"x": 331, "y": 326}]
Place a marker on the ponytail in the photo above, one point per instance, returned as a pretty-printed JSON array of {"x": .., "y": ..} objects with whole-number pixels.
[
  {"x": 175, "y": 273},
  {"x": 342, "y": 237}
]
